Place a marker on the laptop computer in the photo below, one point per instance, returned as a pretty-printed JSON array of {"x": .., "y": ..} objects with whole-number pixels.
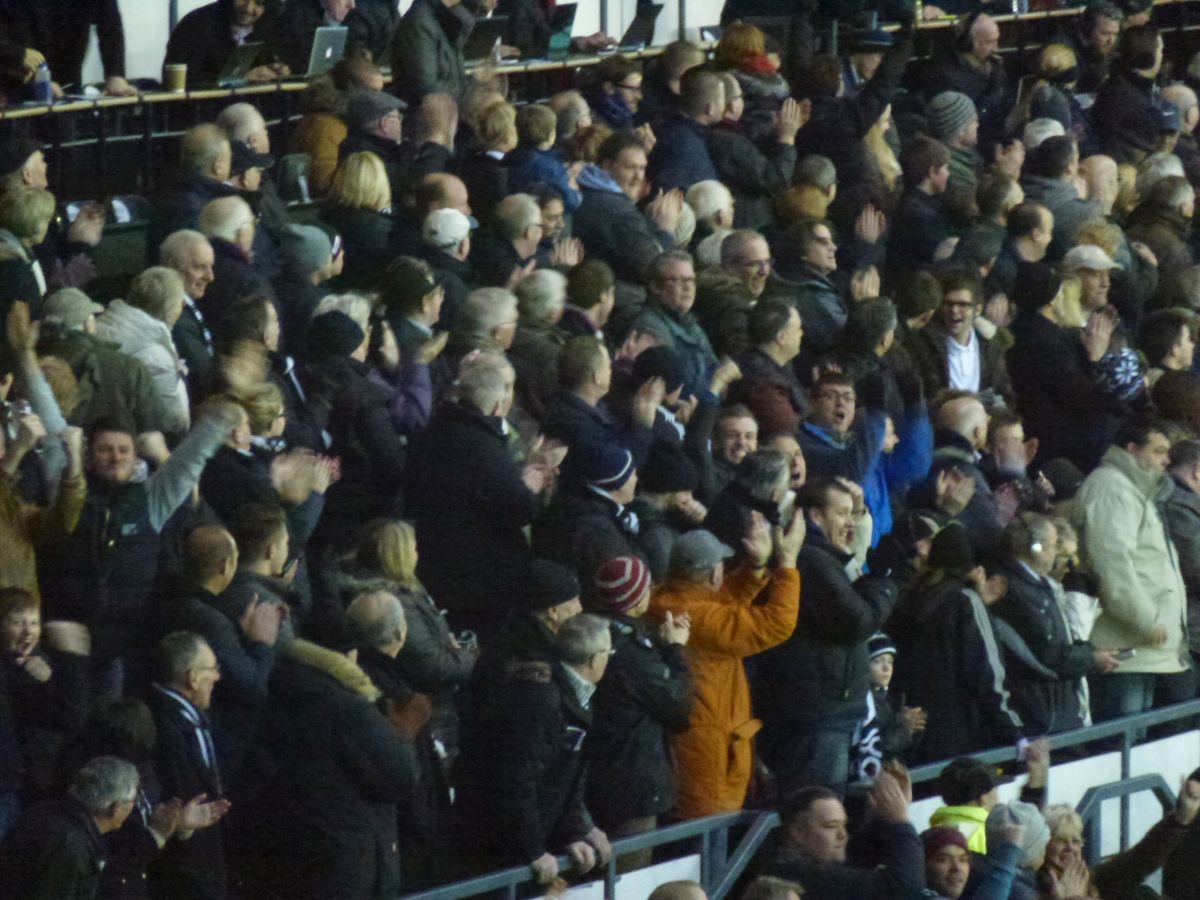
[
  {"x": 561, "y": 26},
  {"x": 640, "y": 33},
  {"x": 240, "y": 61},
  {"x": 329, "y": 46},
  {"x": 485, "y": 34}
]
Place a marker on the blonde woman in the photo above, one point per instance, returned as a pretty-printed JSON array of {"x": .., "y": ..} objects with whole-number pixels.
[{"x": 359, "y": 208}]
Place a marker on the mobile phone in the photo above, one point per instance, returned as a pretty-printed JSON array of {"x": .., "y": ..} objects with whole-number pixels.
[
  {"x": 1126, "y": 653},
  {"x": 337, "y": 246}
]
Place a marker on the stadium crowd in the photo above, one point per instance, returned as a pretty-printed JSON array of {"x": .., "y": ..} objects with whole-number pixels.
[{"x": 726, "y": 433}]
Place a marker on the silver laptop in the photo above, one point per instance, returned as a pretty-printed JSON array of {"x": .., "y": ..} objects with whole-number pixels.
[{"x": 329, "y": 45}]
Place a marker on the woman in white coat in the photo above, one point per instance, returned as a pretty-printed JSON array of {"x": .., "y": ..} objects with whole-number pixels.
[{"x": 141, "y": 325}]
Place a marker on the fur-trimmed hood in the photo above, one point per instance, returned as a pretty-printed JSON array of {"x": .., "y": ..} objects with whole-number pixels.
[{"x": 336, "y": 665}]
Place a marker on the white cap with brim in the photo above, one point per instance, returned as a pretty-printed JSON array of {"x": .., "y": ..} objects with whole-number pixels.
[
  {"x": 1088, "y": 256},
  {"x": 445, "y": 228},
  {"x": 70, "y": 307}
]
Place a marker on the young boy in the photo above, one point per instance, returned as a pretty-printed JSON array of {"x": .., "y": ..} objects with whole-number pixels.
[{"x": 884, "y": 734}]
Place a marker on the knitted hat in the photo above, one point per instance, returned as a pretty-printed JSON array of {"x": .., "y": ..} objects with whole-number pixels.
[
  {"x": 15, "y": 153},
  {"x": 951, "y": 550},
  {"x": 667, "y": 470},
  {"x": 621, "y": 583},
  {"x": 1036, "y": 286},
  {"x": 935, "y": 839},
  {"x": 879, "y": 644},
  {"x": 549, "y": 584},
  {"x": 1035, "y": 833},
  {"x": 1064, "y": 476},
  {"x": 606, "y": 466},
  {"x": 305, "y": 249},
  {"x": 949, "y": 113},
  {"x": 333, "y": 334},
  {"x": 661, "y": 362}
]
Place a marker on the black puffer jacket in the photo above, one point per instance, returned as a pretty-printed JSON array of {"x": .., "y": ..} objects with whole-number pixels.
[{"x": 644, "y": 697}]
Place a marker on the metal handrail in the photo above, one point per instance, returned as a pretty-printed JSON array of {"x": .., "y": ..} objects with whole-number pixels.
[{"x": 722, "y": 869}]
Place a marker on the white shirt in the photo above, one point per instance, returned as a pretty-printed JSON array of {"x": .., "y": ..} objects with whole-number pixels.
[{"x": 963, "y": 364}]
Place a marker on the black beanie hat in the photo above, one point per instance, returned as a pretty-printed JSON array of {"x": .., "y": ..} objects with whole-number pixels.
[
  {"x": 661, "y": 362},
  {"x": 951, "y": 550},
  {"x": 333, "y": 334},
  {"x": 667, "y": 470},
  {"x": 1036, "y": 286},
  {"x": 549, "y": 584}
]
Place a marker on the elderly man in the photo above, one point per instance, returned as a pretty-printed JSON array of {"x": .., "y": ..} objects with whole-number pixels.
[
  {"x": 1143, "y": 600},
  {"x": 608, "y": 221},
  {"x": 191, "y": 255},
  {"x": 229, "y": 225},
  {"x": 726, "y": 294},
  {"x": 521, "y": 790},
  {"x": 714, "y": 206},
  {"x": 517, "y": 223},
  {"x": 950, "y": 354},
  {"x": 56, "y": 849},
  {"x": 671, "y": 293},
  {"x": 251, "y": 143},
  {"x": 376, "y": 122},
  {"x": 714, "y": 754},
  {"x": 186, "y": 762},
  {"x": 205, "y": 160}
]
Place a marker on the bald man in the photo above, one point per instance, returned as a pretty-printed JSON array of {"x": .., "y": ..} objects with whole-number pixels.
[
  {"x": 205, "y": 161},
  {"x": 679, "y": 890},
  {"x": 190, "y": 254},
  {"x": 244, "y": 643},
  {"x": 230, "y": 226}
]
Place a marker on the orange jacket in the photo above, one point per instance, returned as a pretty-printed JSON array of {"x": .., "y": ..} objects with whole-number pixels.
[
  {"x": 319, "y": 135},
  {"x": 714, "y": 755}
]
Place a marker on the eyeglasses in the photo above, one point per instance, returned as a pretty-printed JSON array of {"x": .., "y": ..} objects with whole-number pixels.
[{"x": 758, "y": 263}]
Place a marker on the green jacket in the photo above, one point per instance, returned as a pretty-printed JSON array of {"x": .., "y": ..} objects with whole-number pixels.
[{"x": 1118, "y": 512}]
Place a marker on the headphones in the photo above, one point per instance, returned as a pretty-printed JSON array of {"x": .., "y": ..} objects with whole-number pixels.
[{"x": 962, "y": 31}]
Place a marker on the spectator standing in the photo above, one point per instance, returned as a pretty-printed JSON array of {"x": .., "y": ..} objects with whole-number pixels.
[
  {"x": 427, "y": 50},
  {"x": 714, "y": 755}
]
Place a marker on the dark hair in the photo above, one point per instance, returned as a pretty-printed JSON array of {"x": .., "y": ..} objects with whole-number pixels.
[
  {"x": 838, "y": 379},
  {"x": 123, "y": 728},
  {"x": 616, "y": 68},
  {"x": 114, "y": 424},
  {"x": 256, "y": 526},
  {"x": 588, "y": 282},
  {"x": 815, "y": 493},
  {"x": 921, "y": 157},
  {"x": 1053, "y": 156},
  {"x": 1160, "y": 333},
  {"x": 802, "y": 234},
  {"x": 767, "y": 318},
  {"x": 245, "y": 320},
  {"x": 1138, "y": 431},
  {"x": 578, "y": 360},
  {"x": 544, "y": 193},
  {"x": 1024, "y": 218},
  {"x": 1137, "y": 47},
  {"x": 1185, "y": 453},
  {"x": 965, "y": 780},
  {"x": 804, "y": 799},
  {"x": 616, "y": 144},
  {"x": 991, "y": 192},
  {"x": 868, "y": 322},
  {"x": 821, "y": 77},
  {"x": 962, "y": 280},
  {"x": 1176, "y": 396}
]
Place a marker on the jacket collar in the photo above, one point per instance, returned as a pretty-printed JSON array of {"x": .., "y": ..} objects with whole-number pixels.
[
  {"x": 1147, "y": 483},
  {"x": 336, "y": 665}
]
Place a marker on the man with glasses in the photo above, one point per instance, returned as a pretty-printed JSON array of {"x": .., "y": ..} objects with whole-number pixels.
[
  {"x": 670, "y": 295},
  {"x": 802, "y": 277},
  {"x": 186, "y": 672},
  {"x": 376, "y": 123},
  {"x": 726, "y": 294}
]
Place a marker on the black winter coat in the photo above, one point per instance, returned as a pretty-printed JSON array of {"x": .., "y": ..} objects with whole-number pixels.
[
  {"x": 1030, "y": 607},
  {"x": 203, "y": 40},
  {"x": 53, "y": 851},
  {"x": 820, "y": 675},
  {"x": 949, "y": 665},
  {"x": 470, "y": 506},
  {"x": 581, "y": 530},
  {"x": 614, "y": 231},
  {"x": 371, "y": 240},
  {"x": 754, "y": 176},
  {"x": 1123, "y": 116},
  {"x": 59, "y": 29},
  {"x": 644, "y": 697},
  {"x": 520, "y": 777},
  {"x": 234, "y": 277},
  {"x": 324, "y": 825},
  {"x": 46, "y": 714}
]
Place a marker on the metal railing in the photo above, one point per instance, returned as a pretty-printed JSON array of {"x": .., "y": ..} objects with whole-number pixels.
[{"x": 721, "y": 868}]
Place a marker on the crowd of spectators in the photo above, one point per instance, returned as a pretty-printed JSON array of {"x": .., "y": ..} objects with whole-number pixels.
[{"x": 733, "y": 432}]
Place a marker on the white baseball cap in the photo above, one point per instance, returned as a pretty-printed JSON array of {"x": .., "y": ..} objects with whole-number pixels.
[
  {"x": 445, "y": 228},
  {"x": 1088, "y": 256}
]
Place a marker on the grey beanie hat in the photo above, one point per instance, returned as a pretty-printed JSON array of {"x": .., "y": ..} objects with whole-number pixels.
[
  {"x": 1036, "y": 832},
  {"x": 305, "y": 248},
  {"x": 949, "y": 113}
]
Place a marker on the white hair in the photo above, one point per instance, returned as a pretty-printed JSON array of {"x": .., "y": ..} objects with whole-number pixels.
[
  {"x": 708, "y": 198},
  {"x": 356, "y": 306},
  {"x": 708, "y": 251},
  {"x": 1038, "y": 130},
  {"x": 104, "y": 781},
  {"x": 224, "y": 217},
  {"x": 240, "y": 121},
  {"x": 485, "y": 310},
  {"x": 176, "y": 251},
  {"x": 541, "y": 294},
  {"x": 483, "y": 380},
  {"x": 685, "y": 226},
  {"x": 1154, "y": 168},
  {"x": 515, "y": 214}
]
